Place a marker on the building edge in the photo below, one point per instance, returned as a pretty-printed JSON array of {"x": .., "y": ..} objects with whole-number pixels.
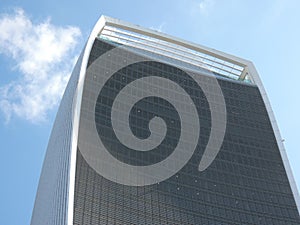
[
  {"x": 76, "y": 114},
  {"x": 283, "y": 154}
]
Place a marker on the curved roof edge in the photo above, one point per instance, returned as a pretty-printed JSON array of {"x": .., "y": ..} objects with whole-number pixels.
[{"x": 209, "y": 54}]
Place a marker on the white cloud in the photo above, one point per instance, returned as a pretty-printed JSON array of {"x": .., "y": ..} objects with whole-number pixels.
[
  {"x": 44, "y": 56},
  {"x": 159, "y": 28},
  {"x": 205, "y": 6}
]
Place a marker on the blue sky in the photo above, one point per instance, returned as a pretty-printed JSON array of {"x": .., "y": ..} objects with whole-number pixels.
[{"x": 40, "y": 40}]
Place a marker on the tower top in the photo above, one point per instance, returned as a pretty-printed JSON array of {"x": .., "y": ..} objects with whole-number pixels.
[{"x": 216, "y": 61}]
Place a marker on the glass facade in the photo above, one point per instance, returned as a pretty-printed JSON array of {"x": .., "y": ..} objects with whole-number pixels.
[
  {"x": 246, "y": 183},
  {"x": 156, "y": 130}
]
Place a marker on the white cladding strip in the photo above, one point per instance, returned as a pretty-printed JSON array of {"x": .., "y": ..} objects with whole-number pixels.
[
  {"x": 76, "y": 115},
  {"x": 278, "y": 137}
]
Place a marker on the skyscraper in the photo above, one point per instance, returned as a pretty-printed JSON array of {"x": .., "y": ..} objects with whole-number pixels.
[{"x": 156, "y": 130}]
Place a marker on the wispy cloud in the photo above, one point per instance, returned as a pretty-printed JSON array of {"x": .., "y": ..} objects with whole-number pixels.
[
  {"x": 159, "y": 28},
  {"x": 205, "y": 6},
  {"x": 44, "y": 55}
]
